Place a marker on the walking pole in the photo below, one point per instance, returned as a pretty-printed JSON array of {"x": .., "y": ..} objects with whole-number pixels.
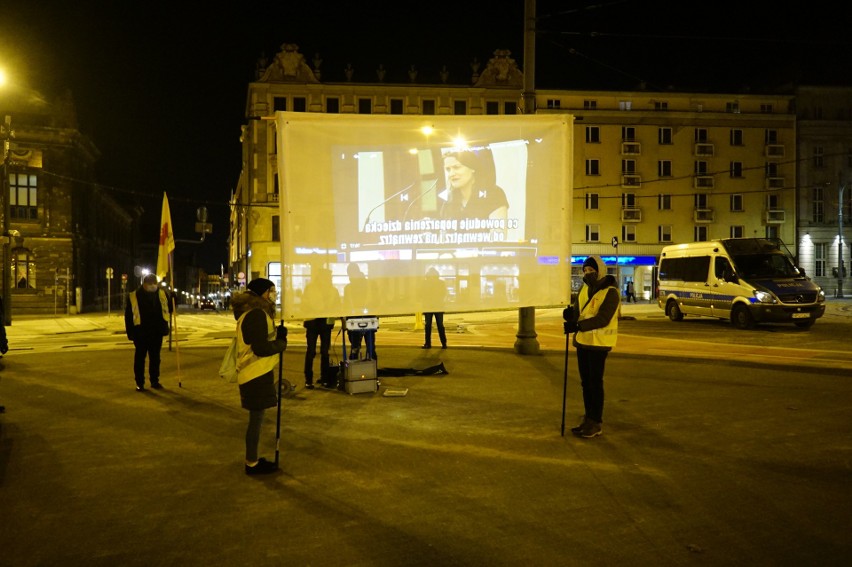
[
  {"x": 565, "y": 382},
  {"x": 278, "y": 421}
]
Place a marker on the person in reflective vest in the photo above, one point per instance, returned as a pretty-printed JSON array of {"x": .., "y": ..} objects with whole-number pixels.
[
  {"x": 146, "y": 322},
  {"x": 259, "y": 343},
  {"x": 593, "y": 318}
]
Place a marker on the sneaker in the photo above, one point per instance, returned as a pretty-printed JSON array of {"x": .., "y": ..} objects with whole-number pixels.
[
  {"x": 426, "y": 346},
  {"x": 157, "y": 386},
  {"x": 591, "y": 429},
  {"x": 309, "y": 385},
  {"x": 444, "y": 347},
  {"x": 261, "y": 467},
  {"x": 140, "y": 388},
  {"x": 579, "y": 428}
]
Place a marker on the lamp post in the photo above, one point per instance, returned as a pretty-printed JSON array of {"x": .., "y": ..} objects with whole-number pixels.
[
  {"x": 840, "y": 241},
  {"x": 8, "y": 134}
]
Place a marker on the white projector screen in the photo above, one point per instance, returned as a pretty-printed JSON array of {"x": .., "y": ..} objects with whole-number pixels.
[{"x": 484, "y": 201}]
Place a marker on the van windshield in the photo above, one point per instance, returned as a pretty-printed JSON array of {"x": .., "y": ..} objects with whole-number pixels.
[{"x": 764, "y": 266}]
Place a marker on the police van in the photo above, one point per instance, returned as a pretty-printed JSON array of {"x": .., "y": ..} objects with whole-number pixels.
[{"x": 746, "y": 280}]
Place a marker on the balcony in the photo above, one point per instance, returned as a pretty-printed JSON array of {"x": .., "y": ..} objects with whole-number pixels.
[
  {"x": 631, "y": 214},
  {"x": 705, "y": 150},
  {"x": 703, "y": 215},
  {"x": 776, "y": 216},
  {"x": 774, "y": 182},
  {"x": 631, "y": 181},
  {"x": 774, "y": 151},
  {"x": 631, "y": 148},
  {"x": 703, "y": 182}
]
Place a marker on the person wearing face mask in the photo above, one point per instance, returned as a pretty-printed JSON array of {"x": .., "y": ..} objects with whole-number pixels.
[
  {"x": 593, "y": 318},
  {"x": 146, "y": 321},
  {"x": 258, "y": 344}
]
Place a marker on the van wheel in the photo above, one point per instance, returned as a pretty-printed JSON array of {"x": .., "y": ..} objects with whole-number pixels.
[
  {"x": 741, "y": 317},
  {"x": 674, "y": 311},
  {"x": 804, "y": 324}
]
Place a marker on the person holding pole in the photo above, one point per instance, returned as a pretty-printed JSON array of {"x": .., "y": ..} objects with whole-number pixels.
[
  {"x": 146, "y": 322},
  {"x": 593, "y": 318},
  {"x": 259, "y": 348}
]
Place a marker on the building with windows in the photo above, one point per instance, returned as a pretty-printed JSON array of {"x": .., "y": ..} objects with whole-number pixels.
[
  {"x": 650, "y": 168},
  {"x": 65, "y": 231}
]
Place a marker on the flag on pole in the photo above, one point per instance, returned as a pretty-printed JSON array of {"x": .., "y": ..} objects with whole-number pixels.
[{"x": 167, "y": 240}]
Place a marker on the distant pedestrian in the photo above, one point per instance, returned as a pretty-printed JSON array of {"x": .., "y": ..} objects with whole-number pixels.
[
  {"x": 259, "y": 343},
  {"x": 631, "y": 295},
  {"x": 146, "y": 321},
  {"x": 434, "y": 295},
  {"x": 593, "y": 318}
]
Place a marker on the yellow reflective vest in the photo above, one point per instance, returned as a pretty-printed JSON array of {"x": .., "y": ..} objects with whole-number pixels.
[
  {"x": 604, "y": 336},
  {"x": 134, "y": 307},
  {"x": 249, "y": 365}
]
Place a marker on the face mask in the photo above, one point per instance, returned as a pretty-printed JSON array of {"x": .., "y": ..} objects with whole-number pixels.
[
  {"x": 151, "y": 287},
  {"x": 590, "y": 278}
]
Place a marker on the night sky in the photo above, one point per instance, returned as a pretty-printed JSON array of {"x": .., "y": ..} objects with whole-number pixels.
[{"x": 161, "y": 90}]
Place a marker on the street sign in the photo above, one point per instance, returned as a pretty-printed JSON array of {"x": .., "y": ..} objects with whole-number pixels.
[
  {"x": 109, "y": 273},
  {"x": 615, "y": 242}
]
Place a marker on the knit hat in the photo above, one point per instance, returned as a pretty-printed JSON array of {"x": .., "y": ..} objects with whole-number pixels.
[
  {"x": 259, "y": 286},
  {"x": 597, "y": 263}
]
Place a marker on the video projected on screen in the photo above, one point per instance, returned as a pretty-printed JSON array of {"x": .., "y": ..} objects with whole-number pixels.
[{"x": 482, "y": 200}]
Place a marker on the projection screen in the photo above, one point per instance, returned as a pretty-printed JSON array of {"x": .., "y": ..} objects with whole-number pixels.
[{"x": 484, "y": 201}]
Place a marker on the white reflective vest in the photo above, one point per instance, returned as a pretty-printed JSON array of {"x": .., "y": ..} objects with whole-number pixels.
[
  {"x": 134, "y": 307},
  {"x": 249, "y": 365},
  {"x": 605, "y": 336}
]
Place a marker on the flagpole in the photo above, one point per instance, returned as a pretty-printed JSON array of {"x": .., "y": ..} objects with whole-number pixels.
[{"x": 174, "y": 315}]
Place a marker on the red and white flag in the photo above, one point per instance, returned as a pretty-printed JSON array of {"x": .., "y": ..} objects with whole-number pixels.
[{"x": 167, "y": 240}]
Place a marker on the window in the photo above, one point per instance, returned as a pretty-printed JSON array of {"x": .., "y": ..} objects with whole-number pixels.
[
  {"x": 628, "y": 200},
  {"x": 628, "y": 134},
  {"x": 770, "y": 136},
  {"x": 661, "y": 105},
  {"x": 689, "y": 269},
  {"x": 664, "y": 136},
  {"x": 773, "y": 202},
  {"x": 590, "y": 104},
  {"x": 593, "y": 232},
  {"x": 593, "y": 135},
  {"x": 664, "y": 168},
  {"x": 736, "y": 169},
  {"x": 772, "y": 231},
  {"x": 510, "y": 107},
  {"x": 625, "y": 105},
  {"x": 736, "y": 137},
  {"x": 628, "y": 233},
  {"x": 701, "y": 135},
  {"x": 664, "y": 202},
  {"x": 23, "y": 196},
  {"x": 300, "y": 104},
  {"x": 736, "y": 203},
  {"x": 591, "y": 201},
  {"x": 279, "y": 103},
  {"x": 23, "y": 269},
  {"x": 733, "y": 107},
  {"x": 819, "y": 157},
  {"x": 276, "y": 228},
  {"x": 396, "y": 106},
  {"x": 593, "y": 167},
  {"x": 701, "y": 167},
  {"x": 365, "y": 106},
  {"x": 664, "y": 233},
  {"x": 700, "y": 200},
  {"x": 460, "y": 107},
  {"x": 553, "y": 103},
  {"x": 766, "y": 108},
  {"x": 628, "y": 166},
  {"x": 429, "y": 106},
  {"x": 819, "y": 258},
  {"x": 737, "y": 231},
  {"x": 818, "y": 206},
  {"x": 771, "y": 169},
  {"x": 332, "y": 105},
  {"x": 492, "y": 107},
  {"x": 700, "y": 233}
]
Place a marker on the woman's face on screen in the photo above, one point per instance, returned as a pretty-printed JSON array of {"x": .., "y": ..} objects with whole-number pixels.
[{"x": 458, "y": 174}]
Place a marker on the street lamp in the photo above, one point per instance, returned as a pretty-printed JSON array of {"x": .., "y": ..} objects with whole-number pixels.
[{"x": 840, "y": 241}]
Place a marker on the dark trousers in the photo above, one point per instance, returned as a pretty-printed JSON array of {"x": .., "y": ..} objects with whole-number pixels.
[
  {"x": 355, "y": 338},
  {"x": 147, "y": 346},
  {"x": 591, "y": 365},
  {"x": 439, "y": 322},
  {"x": 317, "y": 329}
]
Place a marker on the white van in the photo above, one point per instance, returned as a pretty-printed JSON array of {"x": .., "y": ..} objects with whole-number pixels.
[{"x": 746, "y": 280}]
